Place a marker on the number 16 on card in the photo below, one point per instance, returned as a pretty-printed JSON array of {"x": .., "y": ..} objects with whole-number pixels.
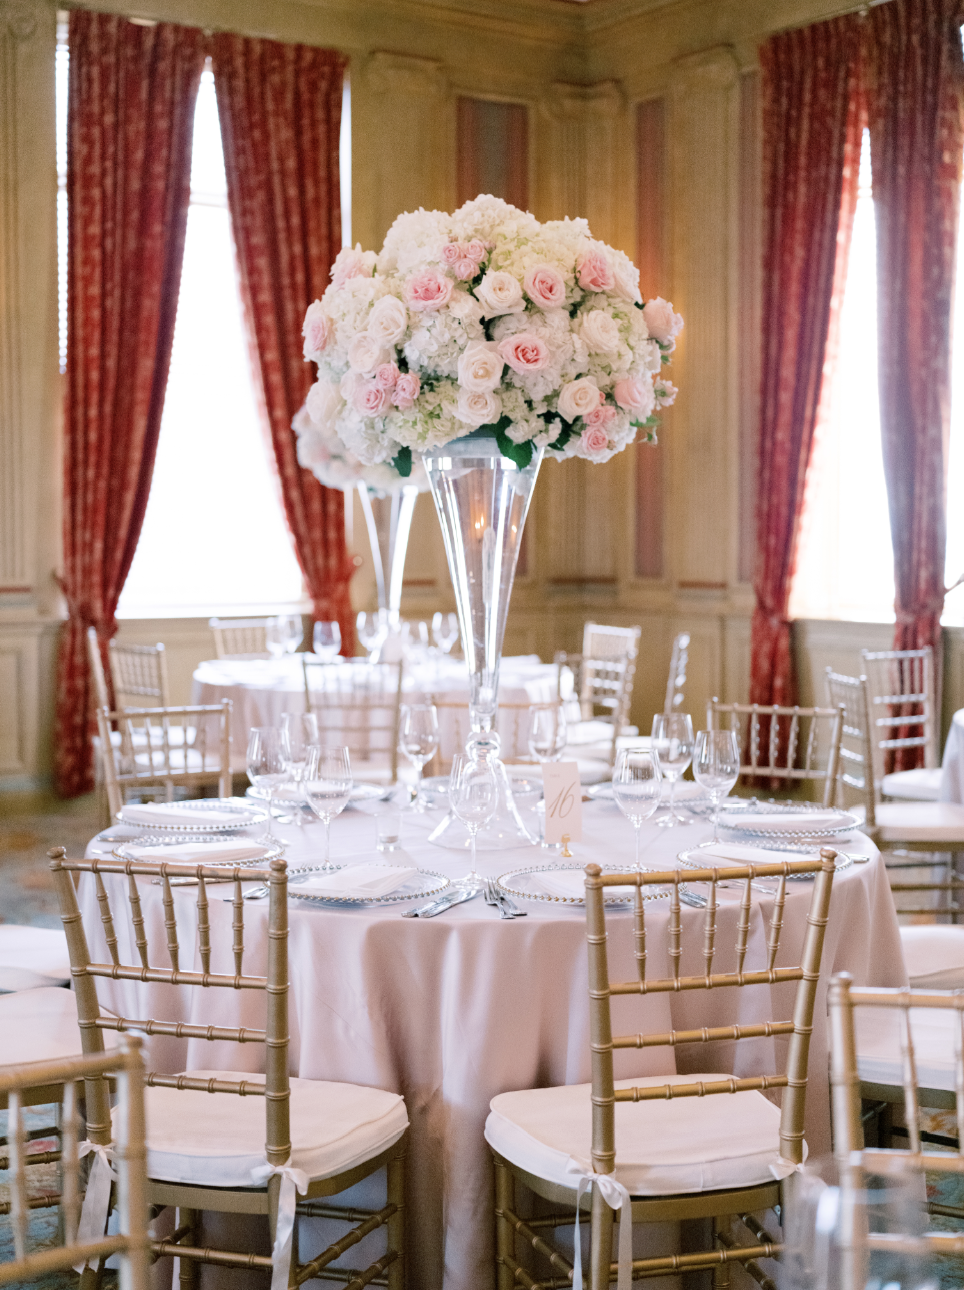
[{"x": 563, "y": 794}]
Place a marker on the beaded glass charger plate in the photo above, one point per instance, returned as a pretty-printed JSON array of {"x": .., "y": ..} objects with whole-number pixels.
[
  {"x": 696, "y": 858},
  {"x": 163, "y": 846},
  {"x": 422, "y": 883},
  {"x": 288, "y": 794},
  {"x": 214, "y": 815},
  {"x": 559, "y": 885},
  {"x": 787, "y": 821}
]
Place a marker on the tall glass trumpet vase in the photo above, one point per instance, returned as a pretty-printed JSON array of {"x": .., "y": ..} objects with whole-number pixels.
[
  {"x": 482, "y": 499},
  {"x": 389, "y": 522}
]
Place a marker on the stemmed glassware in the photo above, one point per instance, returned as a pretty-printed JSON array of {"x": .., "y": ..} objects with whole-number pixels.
[
  {"x": 445, "y": 630},
  {"x": 473, "y": 797},
  {"x": 636, "y": 787},
  {"x": 274, "y": 637},
  {"x": 291, "y": 630},
  {"x": 418, "y": 739},
  {"x": 326, "y": 641},
  {"x": 327, "y": 787},
  {"x": 672, "y": 741},
  {"x": 547, "y": 731},
  {"x": 716, "y": 765},
  {"x": 302, "y": 731},
  {"x": 371, "y": 629},
  {"x": 267, "y": 763}
]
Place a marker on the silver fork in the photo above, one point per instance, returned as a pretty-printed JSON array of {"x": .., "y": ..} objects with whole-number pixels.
[{"x": 491, "y": 898}]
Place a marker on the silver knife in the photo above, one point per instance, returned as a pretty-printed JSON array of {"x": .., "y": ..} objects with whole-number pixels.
[{"x": 441, "y": 905}]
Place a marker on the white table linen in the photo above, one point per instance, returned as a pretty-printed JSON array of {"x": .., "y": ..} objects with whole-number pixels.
[
  {"x": 452, "y": 1011},
  {"x": 952, "y": 766}
]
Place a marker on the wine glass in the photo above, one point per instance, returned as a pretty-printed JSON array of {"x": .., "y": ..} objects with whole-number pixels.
[
  {"x": 291, "y": 631},
  {"x": 326, "y": 641},
  {"x": 371, "y": 631},
  {"x": 445, "y": 630},
  {"x": 327, "y": 787},
  {"x": 672, "y": 741},
  {"x": 418, "y": 740},
  {"x": 267, "y": 762},
  {"x": 473, "y": 797},
  {"x": 636, "y": 787},
  {"x": 274, "y": 637},
  {"x": 547, "y": 731},
  {"x": 716, "y": 765},
  {"x": 302, "y": 731}
]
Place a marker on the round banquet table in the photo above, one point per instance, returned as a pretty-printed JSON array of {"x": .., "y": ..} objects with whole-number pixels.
[
  {"x": 262, "y": 689},
  {"x": 952, "y": 765},
  {"x": 453, "y": 1010}
]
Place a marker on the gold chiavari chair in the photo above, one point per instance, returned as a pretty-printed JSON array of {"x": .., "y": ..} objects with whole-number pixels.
[
  {"x": 239, "y": 637},
  {"x": 664, "y": 1149},
  {"x": 187, "y": 747},
  {"x": 358, "y": 706},
  {"x": 798, "y": 745},
  {"x": 21, "y": 1086},
  {"x": 924, "y": 1047},
  {"x": 139, "y": 673},
  {"x": 904, "y": 714},
  {"x": 597, "y": 711},
  {"x": 216, "y": 1142}
]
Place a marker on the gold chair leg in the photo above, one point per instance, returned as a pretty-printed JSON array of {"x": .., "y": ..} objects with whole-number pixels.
[
  {"x": 601, "y": 1253},
  {"x": 721, "y": 1273},
  {"x": 187, "y": 1278},
  {"x": 504, "y": 1233},
  {"x": 396, "y": 1224}
]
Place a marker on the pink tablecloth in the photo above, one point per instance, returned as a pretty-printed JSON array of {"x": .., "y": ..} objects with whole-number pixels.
[
  {"x": 952, "y": 766},
  {"x": 451, "y": 1011}
]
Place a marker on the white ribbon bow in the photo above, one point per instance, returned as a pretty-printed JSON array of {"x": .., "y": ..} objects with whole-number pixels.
[
  {"x": 616, "y": 1197},
  {"x": 292, "y": 1181},
  {"x": 93, "y": 1216}
]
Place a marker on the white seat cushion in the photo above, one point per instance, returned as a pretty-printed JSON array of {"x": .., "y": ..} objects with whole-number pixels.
[
  {"x": 920, "y": 785},
  {"x": 920, "y": 822},
  {"x": 216, "y": 1139},
  {"x": 662, "y": 1147},
  {"x": 32, "y": 956},
  {"x": 878, "y": 1046},
  {"x": 596, "y": 731},
  {"x": 934, "y": 956},
  {"x": 41, "y": 1026}
]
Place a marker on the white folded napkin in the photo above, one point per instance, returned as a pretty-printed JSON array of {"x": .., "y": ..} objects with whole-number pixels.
[
  {"x": 200, "y": 852},
  {"x": 357, "y": 881},
  {"x": 172, "y": 813},
  {"x": 789, "y": 822},
  {"x": 571, "y": 884},
  {"x": 731, "y": 853}
]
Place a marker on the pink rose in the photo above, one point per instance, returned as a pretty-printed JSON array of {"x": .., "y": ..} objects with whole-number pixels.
[
  {"x": 406, "y": 390},
  {"x": 465, "y": 270},
  {"x": 595, "y": 440},
  {"x": 369, "y": 399},
  {"x": 525, "y": 352},
  {"x": 428, "y": 289},
  {"x": 601, "y": 418},
  {"x": 474, "y": 250},
  {"x": 664, "y": 325},
  {"x": 386, "y": 376},
  {"x": 452, "y": 252},
  {"x": 594, "y": 271},
  {"x": 351, "y": 264},
  {"x": 634, "y": 393},
  {"x": 545, "y": 286}
]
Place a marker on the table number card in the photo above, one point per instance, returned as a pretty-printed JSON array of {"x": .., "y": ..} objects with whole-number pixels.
[{"x": 563, "y": 793}]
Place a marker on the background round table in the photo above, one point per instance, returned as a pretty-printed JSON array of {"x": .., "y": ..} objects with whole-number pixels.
[
  {"x": 453, "y": 1010},
  {"x": 952, "y": 765}
]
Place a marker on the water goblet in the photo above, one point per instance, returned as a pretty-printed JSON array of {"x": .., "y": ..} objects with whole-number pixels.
[
  {"x": 473, "y": 797},
  {"x": 716, "y": 765},
  {"x": 302, "y": 731},
  {"x": 274, "y": 637},
  {"x": 672, "y": 741},
  {"x": 636, "y": 787},
  {"x": 327, "y": 787},
  {"x": 291, "y": 630},
  {"x": 547, "y": 731},
  {"x": 418, "y": 740},
  {"x": 445, "y": 630},
  {"x": 267, "y": 763},
  {"x": 326, "y": 641},
  {"x": 371, "y": 631}
]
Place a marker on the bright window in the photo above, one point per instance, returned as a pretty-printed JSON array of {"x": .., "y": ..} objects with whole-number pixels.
[{"x": 845, "y": 567}]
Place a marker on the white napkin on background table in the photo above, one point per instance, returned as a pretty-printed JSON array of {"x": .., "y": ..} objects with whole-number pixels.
[
  {"x": 199, "y": 852},
  {"x": 732, "y": 853},
  {"x": 172, "y": 813},
  {"x": 357, "y": 881},
  {"x": 571, "y": 884},
  {"x": 789, "y": 822}
]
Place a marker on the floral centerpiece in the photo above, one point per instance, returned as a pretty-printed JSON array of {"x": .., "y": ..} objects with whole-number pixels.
[
  {"x": 321, "y": 451},
  {"x": 487, "y": 318}
]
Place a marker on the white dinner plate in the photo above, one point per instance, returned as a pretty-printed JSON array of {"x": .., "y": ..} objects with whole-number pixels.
[
  {"x": 240, "y": 815},
  {"x": 772, "y": 853},
  {"x": 161, "y": 848},
  {"x": 761, "y": 820},
  {"x": 423, "y": 883}
]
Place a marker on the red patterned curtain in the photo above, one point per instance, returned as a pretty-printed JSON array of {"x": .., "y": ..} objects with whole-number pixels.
[
  {"x": 280, "y": 110},
  {"x": 811, "y": 153},
  {"x": 129, "y": 128},
  {"x": 914, "y": 93}
]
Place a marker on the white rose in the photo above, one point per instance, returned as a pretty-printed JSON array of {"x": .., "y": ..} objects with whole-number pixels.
[
  {"x": 323, "y": 402},
  {"x": 480, "y": 367},
  {"x": 626, "y": 277},
  {"x": 388, "y": 320},
  {"x": 577, "y": 398},
  {"x": 365, "y": 353},
  {"x": 664, "y": 324},
  {"x": 346, "y": 386},
  {"x": 478, "y": 407},
  {"x": 600, "y": 331},
  {"x": 500, "y": 293}
]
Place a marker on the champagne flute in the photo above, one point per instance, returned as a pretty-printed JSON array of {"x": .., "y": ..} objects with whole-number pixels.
[
  {"x": 326, "y": 641},
  {"x": 716, "y": 765},
  {"x": 473, "y": 797},
  {"x": 267, "y": 763},
  {"x": 547, "y": 731},
  {"x": 302, "y": 731},
  {"x": 418, "y": 740},
  {"x": 636, "y": 787},
  {"x": 327, "y": 787},
  {"x": 672, "y": 742}
]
